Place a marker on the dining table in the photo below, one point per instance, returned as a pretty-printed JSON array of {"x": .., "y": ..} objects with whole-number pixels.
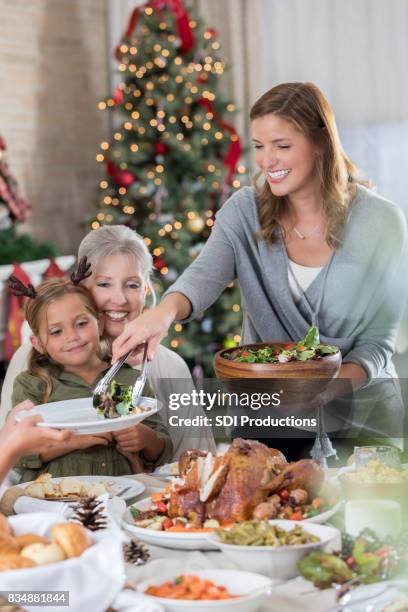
[{"x": 291, "y": 596}]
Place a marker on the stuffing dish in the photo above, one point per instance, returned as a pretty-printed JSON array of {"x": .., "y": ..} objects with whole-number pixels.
[{"x": 376, "y": 472}]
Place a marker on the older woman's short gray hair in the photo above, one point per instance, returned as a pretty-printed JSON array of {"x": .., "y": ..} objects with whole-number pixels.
[{"x": 118, "y": 239}]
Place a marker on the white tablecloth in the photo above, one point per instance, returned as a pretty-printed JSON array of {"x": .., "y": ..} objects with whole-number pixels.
[{"x": 293, "y": 596}]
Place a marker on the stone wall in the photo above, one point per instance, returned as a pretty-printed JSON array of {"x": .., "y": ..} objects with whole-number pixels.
[{"x": 53, "y": 71}]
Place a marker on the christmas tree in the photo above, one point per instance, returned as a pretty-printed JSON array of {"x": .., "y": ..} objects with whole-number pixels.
[
  {"x": 173, "y": 159},
  {"x": 15, "y": 209}
]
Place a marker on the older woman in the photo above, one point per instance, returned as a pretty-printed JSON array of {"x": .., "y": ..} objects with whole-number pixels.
[{"x": 120, "y": 282}]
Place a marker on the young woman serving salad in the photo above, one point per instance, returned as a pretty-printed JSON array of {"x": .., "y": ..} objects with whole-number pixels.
[{"x": 310, "y": 244}]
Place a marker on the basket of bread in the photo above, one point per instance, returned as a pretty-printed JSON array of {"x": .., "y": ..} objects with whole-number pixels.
[{"x": 38, "y": 550}]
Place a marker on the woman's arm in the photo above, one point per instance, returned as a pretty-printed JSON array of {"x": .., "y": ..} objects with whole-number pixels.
[
  {"x": 355, "y": 373},
  {"x": 197, "y": 288},
  {"x": 21, "y": 437}
]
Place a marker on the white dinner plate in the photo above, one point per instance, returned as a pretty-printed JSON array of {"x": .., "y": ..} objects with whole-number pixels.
[
  {"x": 80, "y": 416},
  {"x": 167, "y": 539},
  {"x": 114, "y": 485},
  {"x": 168, "y": 470},
  {"x": 374, "y": 597}
]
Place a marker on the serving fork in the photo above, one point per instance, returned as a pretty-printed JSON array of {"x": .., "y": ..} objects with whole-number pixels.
[{"x": 140, "y": 380}]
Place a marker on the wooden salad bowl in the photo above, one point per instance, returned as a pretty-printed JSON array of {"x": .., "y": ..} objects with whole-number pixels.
[{"x": 303, "y": 380}]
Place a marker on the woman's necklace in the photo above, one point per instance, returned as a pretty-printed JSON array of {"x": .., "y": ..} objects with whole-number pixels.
[{"x": 305, "y": 236}]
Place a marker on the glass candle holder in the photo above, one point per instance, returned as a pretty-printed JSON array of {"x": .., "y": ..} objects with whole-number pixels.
[{"x": 388, "y": 455}]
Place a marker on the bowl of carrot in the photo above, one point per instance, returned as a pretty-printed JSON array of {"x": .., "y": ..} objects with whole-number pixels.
[{"x": 210, "y": 590}]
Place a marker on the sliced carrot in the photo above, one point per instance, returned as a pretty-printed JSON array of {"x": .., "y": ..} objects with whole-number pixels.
[
  {"x": 318, "y": 502},
  {"x": 155, "y": 497},
  {"x": 184, "y": 529}
]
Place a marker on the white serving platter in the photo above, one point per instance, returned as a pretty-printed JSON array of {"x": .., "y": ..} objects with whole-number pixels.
[
  {"x": 167, "y": 539},
  {"x": 80, "y": 416}
]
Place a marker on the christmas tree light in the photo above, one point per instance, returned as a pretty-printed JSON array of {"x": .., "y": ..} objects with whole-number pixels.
[{"x": 172, "y": 160}]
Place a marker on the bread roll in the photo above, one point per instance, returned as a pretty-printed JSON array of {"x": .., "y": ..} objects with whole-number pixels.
[
  {"x": 42, "y": 554},
  {"x": 8, "y": 544},
  {"x": 73, "y": 539},
  {"x": 30, "y": 538},
  {"x": 35, "y": 490},
  {"x": 5, "y": 525},
  {"x": 95, "y": 489},
  {"x": 46, "y": 482},
  {"x": 11, "y": 562},
  {"x": 70, "y": 486}
]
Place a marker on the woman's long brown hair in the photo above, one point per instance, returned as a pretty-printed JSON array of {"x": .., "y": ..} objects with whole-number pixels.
[
  {"x": 40, "y": 364},
  {"x": 304, "y": 105}
]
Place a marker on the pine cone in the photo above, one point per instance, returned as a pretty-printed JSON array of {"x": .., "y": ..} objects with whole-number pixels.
[
  {"x": 135, "y": 553},
  {"x": 90, "y": 513}
]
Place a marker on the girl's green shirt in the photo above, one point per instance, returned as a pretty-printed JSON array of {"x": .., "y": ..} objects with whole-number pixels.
[{"x": 96, "y": 460}]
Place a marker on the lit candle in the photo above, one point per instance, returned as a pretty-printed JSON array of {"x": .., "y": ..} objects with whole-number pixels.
[{"x": 381, "y": 515}]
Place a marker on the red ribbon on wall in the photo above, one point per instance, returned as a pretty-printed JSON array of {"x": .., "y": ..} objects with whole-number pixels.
[
  {"x": 182, "y": 19},
  {"x": 15, "y": 319},
  {"x": 235, "y": 149}
]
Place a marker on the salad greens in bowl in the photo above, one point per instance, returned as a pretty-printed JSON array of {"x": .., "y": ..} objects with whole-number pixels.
[
  {"x": 307, "y": 348},
  {"x": 306, "y": 367}
]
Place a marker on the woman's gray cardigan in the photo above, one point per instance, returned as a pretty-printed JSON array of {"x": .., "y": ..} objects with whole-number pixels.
[{"x": 362, "y": 294}]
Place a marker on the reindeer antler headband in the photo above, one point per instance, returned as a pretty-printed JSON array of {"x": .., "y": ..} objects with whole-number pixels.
[
  {"x": 18, "y": 288},
  {"x": 83, "y": 271}
]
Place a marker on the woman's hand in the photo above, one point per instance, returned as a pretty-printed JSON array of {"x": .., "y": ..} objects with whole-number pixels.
[
  {"x": 151, "y": 327},
  {"x": 24, "y": 437}
]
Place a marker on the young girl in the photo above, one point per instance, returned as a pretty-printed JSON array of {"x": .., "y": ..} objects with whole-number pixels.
[
  {"x": 120, "y": 285},
  {"x": 66, "y": 363}
]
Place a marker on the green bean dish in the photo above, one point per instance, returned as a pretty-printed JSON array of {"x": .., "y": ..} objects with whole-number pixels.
[{"x": 262, "y": 533}]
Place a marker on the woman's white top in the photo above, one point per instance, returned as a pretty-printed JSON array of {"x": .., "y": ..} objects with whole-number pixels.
[
  {"x": 304, "y": 276},
  {"x": 168, "y": 373}
]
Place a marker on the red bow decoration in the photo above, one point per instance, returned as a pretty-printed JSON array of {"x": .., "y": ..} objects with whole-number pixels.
[
  {"x": 123, "y": 178},
  {"x": 182, "y": 19},
  {"x": 234, "y": 151},
  {"x": 118, "y": 95},
  {"x": 15, "y": 320},
  {"x": 53, "y": 270}
]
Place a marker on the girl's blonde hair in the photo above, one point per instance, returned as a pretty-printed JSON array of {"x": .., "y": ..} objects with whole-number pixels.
[
  {"x": 118, "y": 239},
  {"x": 304, "y": 105},
  {"x": 40, "y": 364}
]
